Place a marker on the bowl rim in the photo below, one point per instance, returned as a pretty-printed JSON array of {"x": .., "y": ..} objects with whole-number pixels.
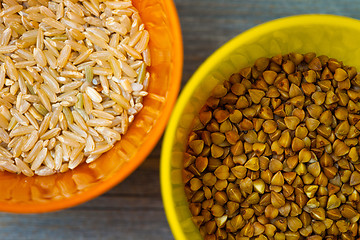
[
  {"x": 212, "y": 61},
  {"x": 146, "y": 148}
]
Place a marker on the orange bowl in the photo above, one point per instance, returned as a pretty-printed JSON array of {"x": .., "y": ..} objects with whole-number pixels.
[{"x": 21, "y": 194}]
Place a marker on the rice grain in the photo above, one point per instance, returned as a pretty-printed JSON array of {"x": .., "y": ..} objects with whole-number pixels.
[
  {"x": 2, "y": 76},
  {"x": 72, "y": 25},
  {"x": 17, "y": 148},
  {"x": 127, "y": 69},
  {"x": 11, "y": 10},
  {"x": 51, "y": 81},
  {"x": 50, "y": 58},
  {"x": 73, "y": 136},
  {"x": 60, "y": 11},
  {"x": 64, "y": 56},
  {"x": 34, "y": 152},
  {"x": 108, "y": 132},
  {"x": 64, "y": 167},
  {"x": 44, "y": 99},
  {"x": 47, "y": 12},
  {"x": 99, "y": 33},
  {"x": 44, "y": 124},
  {"x": 40, "y": 57},
  {"x": 4, "y": 136},
  {"x": 25, "y": 64},
  {"x": 50, "y": 134},
  {"x": 95, "y": 40},
  {"x": 70, "y": 86},
  {"x": 91, "y": 8},
  {"x": 8, "y": 166},
  {"x": 49, "y": 161},
  {"x": 101, "y": 148},
  {"x": 49, "y": 93},
  {"x": 72, "y": 74},
  {"x": 102, "y": 114},
  {"x": 11, "y": 69},
  {"x": 24, "y": 167},
  {"x": 38, "y": 111},
  {"x": 92, "y": 157},
  {"x": 8, "y": 49},
  {"x": 90, "y": 144},
  {"x": 12, "y": 124},
  {"x": 93, "y": 21},
  {"x": 62, "y": 122},
  {"x": 79, "y": 120},
  {"x": 32, "y": 120},
  {"x": 143, "y": 42},
  {"x": 58, "y": 157},
  {"x": 131, "y": 51},
  {"x": 76, "y": 129},
  {"x": 39, "y": 159},
  {"x": 21, "y": 130},
  {"x": 146, "y": 56},
  {"x": 53, "y": 23},
  {"x": 99, "y": 122},
  {"x": 31, "y": 141},
  {"x": 75, "y": 17},
  {"x": 74, "y": 7},
  {"x": 44, "y": 171},
  {"x": 51, "y": 48},
  {"x": 93, "y": 94},
  {"x": 24, "y": 107},
  {"x": 5, "y": 37},
  {"x": 68, "y": 141},
  {"x": 19, "y": 117},
  {"x": 40, "y": 39},
  {"x": 74, "y": 163},
  {"x": 3, "y": 122},
  {"x": 75, "y": 152},
  {"x": 35, "y": 75}
]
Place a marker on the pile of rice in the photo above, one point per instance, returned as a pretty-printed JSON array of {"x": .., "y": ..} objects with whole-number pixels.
[{"x": 72, "y": 76}]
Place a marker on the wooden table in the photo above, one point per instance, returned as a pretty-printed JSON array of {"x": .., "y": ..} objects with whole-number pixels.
[{"x": 133, "y": 209}]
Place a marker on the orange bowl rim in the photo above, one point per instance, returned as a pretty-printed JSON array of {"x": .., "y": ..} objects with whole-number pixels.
[{"x": 146, "y": 148}]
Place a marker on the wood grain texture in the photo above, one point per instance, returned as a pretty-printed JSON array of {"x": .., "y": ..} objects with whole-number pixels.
[{"x": 133, "y": 209}]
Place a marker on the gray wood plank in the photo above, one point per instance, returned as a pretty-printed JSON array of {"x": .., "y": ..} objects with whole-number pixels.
[{"x": 133, "y": 209}]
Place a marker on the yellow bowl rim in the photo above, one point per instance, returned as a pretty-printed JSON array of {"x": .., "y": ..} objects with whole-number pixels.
[{"x": 211, "y": 62}]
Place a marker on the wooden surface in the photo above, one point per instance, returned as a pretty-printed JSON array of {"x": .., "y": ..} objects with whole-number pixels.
[{"x": 133, "y": 209}]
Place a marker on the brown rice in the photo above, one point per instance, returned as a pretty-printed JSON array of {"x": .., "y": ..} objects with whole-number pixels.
[{"x": 72, "y": 77}]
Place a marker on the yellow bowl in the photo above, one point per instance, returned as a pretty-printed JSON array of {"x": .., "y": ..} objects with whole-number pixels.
[
  {"x": 21, "y": 194},
  {"x": 334, "y": 36}
]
